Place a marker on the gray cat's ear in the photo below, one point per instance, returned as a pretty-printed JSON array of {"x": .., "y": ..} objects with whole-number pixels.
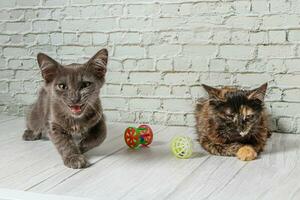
[
  {"x": 258, "y": 93},
  {"x": 48, "y": 67},
  {"x": 98, "y": 63},
  {"x": 213, "y": 93}
]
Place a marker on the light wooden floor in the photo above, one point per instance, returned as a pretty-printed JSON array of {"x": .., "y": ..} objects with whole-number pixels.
[{"x": 150, "y": 173}]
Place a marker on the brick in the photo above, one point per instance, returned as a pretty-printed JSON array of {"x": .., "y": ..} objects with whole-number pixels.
[
  {"x": 287, "y": 80},
  {"x": 183, "y": 78},
  {"x": 145, "y": 65},
  {"x": 135, "y": 23},
  {"x": 292, "y": 65},
  {"x": 252, "y": 80},
  {"x": 3, "y": 87},
  {"x": 283, "y": 109},
  {"x": 294, "y": 36},
  {"x": 182, "y": 64},
  {"x": 199, "y": 50},
  {"x": 260, "y": 7},
  {"x": 244, "y": 22},
  {"x": 221, "y": 36},
  {"x": 277, "y": 36},
  {"x": 7, "y": 3},
  {"x": 56, "y": 38},
  {"x": 240, "y": 37},
  {"x": 258, "y": 38},
  {"x": 217, "y": 65},
  {"x": 99, "y": 38},
  {"x": 280, "y": 21},
  {"x": 17, "y": 27},
  {"x": 162, "y": 91},
  {"x": 178, "y": 105},
  {"x": 164, "y": 65},
  {"x": 129, "y": 51},
  {"x": 45, "y": 26},
  {"x": 103, "y": 24},
  {"x": 285, "y": 125},
  {"x": 95, "y": 11},
  {"x": 274, "y": 94},
  {"x": 124, "y": 38},
  {"x": 175, "y": 119},
  {"x": 163, "y": 50},
  {"x": 114, "y": 103},
  {"x": 145, "y": 90},
  {"x": 275, "y": 51},
  {"x": 291, "y": 95},
  {"x": 144, "y": 104},
  {"x": 128, "y": 90},
  {"x": 27, "y": 3},
  {"x": 136, "y": 10},
  {"x": 145, "y": 77},
  {"x": 236, "y": 51},
  {"x": 181, "y": 91},
  {"x": 14, "y": 52},
  {"x": 55, "y": 2}
]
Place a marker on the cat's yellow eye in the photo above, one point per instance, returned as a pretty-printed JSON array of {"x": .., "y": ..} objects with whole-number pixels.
[
  {"x": 62, "y": 86},
  {"x": 85, "y": 84}
]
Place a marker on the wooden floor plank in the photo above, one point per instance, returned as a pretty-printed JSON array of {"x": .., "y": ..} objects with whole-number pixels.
[
  {"x": 256, "y": 179},
  {"x": 4, "y": 118},
  {"x": 6, "y": 194},
  {"x": 96, "y": 155},
  {"x": 135, "y": 174},
  {"x": 119, "y": 172},
  {"x": 26, "y": 164}
]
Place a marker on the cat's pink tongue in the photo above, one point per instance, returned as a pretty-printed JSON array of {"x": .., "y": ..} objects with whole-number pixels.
[{"x": 75, "y": 109}]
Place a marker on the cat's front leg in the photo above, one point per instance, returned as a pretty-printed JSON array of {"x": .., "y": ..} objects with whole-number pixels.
[
  {"x": 246, "y": 153},
  {"x": 67, "y": 148},
  {"x": 220, "y": 149},
  {"x": 95, "y": 137}
]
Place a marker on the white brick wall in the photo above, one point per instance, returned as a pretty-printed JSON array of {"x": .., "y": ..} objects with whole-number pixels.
[{"x": 160, "y": 52}]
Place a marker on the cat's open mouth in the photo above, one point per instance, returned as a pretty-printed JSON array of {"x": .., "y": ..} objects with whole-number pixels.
[{"x": 76, "y": 109}]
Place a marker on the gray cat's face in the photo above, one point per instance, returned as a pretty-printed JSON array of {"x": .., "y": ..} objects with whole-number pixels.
[{"x": 76, "y": 86}]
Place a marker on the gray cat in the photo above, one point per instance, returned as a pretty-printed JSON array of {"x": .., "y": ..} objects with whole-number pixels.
[{"x": 68, "y": 106}]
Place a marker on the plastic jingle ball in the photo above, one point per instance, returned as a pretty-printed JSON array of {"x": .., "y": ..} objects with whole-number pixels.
[
  {"x": 182, "y": 147},
  {"x": 137, "y": 137}
]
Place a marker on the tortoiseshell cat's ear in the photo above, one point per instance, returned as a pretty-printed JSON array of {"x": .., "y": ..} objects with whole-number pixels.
[
  {"x": 98, "y": 63},
  {"x": 258, "y": 93},
  {"x": 213, "y": 93},
  {"x": 48, "y": 67}
]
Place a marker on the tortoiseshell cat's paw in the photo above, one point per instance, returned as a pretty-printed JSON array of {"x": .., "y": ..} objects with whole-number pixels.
[
  {"x": 29, "y": 135},
  {"x": 246, "y": 153},
  {"x": 76, "y": 161}
]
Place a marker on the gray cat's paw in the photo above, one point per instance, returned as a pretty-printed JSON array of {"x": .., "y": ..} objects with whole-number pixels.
[
  {"x": 76, "y": 161},
  {"x": 29, "y": 135}
]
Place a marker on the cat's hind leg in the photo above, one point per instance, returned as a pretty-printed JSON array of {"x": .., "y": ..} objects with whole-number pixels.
[{"x": 30, "y": 135}]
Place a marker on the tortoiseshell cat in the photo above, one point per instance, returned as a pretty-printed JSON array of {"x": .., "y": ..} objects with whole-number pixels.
[
  {"x": 233, "y": 122},
  {"x": 68, "y": 106}
]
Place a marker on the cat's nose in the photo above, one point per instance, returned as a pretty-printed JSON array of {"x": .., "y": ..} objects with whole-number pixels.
[{"x": 75, "y": 99}]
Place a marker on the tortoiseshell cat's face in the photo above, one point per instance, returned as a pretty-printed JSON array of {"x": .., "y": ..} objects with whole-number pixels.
[
  {"x": 76, "y": 86},
  {"x": 237, "y": 110}
]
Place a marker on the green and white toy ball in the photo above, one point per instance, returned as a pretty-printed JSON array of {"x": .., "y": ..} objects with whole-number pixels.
[{"x": 182, "y": 147}]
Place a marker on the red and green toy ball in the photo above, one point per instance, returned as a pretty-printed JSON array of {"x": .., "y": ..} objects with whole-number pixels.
[
  {"x": 136, "y": 137},
  {"x": 182, "y": 147}
]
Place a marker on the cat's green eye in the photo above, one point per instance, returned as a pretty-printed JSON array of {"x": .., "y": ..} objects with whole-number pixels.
[
  {"x": 85, "y": 84},
  {"x": 62, "y": 86}
]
